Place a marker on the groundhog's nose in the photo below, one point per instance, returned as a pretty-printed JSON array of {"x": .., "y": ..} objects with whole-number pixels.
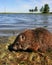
[{"x": 10, "y": 48}]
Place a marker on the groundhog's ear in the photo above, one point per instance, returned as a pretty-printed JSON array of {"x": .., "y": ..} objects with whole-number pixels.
[{"x": 22, "y": 37}]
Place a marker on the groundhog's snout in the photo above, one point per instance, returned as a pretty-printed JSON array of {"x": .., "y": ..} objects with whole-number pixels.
[
  {"x": 14, "y": 47},
  {"x": 10, "y": 47}
]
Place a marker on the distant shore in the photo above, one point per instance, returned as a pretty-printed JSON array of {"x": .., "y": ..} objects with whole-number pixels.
[{"x": 23, "y": 13}]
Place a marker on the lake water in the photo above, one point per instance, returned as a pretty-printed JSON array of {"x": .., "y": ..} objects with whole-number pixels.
[{"x": 12, "y": 24}]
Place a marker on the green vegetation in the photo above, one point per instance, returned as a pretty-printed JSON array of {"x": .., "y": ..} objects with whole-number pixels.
[
  {"x": 33, "y": 10},
  {"x": 41, "y": 10},
  {"x": 44, "y": 9},
  {"x": 21, "y": 57},
  {"x": 36, "y": 9}
]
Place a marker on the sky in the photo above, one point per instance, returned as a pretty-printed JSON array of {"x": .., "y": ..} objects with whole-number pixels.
[{"x": 21, "y": 6}]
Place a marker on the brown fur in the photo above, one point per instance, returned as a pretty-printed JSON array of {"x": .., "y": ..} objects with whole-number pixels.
[{"x": 36, "y": 39}]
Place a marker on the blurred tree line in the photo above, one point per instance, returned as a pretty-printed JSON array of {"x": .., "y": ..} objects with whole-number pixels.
[{"x": 43, "y": 9}]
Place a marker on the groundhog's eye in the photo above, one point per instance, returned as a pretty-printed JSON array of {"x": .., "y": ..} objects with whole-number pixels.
[{"x": 22, "y": 37}]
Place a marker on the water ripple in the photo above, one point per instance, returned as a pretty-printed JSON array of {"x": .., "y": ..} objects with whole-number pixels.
[{"x": 18, "y": 22}]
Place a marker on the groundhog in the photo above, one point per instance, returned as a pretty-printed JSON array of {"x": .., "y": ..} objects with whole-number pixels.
[{"x": 33, "y": 39}]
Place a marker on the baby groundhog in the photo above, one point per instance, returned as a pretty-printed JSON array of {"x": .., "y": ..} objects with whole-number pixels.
[{"x": 36, "y": 39}]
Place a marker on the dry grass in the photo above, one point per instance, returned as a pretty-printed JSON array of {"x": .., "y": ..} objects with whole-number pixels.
[{"x": 21, "y": 57}]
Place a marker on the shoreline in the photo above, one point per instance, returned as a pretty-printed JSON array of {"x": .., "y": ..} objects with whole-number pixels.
[
  {"x": 23, "y": 13},
  {"x": 15, "y": 32}
]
